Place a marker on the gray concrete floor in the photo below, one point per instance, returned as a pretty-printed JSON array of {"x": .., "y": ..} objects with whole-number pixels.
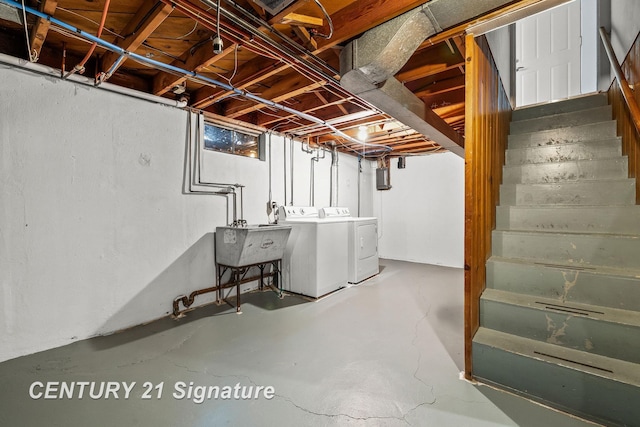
[{"x": 387, "y": 352}]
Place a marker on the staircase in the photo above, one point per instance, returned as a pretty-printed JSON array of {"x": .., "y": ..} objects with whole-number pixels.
[{"x": 560, "y": 318}]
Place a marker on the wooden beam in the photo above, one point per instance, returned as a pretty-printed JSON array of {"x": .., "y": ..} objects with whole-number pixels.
[
  {"x": 349, "y": 22},
  {"x": 441, "y": 87},
  {"x": 458, "y": 40},
  {"x": 260, "y": 11},
  {"x": 148, "y": 17},
  {"x": 307, "y": 40},
  {"x": 309, "y": 103},
  {"x": 41, "y": 27},
  {"x": 427, "y": 70},
  {"x": 443, "y": 99},
  {"x": 251, "y": 73},
  {"x": 360, "y": 16},
  {"x": 199, "y": 60},
  {"x": 326, "y": 102},
  {"x": 302, "y": 20},
  {"x": 289, "y": 86},
  {"x": 276, "y": 19}
]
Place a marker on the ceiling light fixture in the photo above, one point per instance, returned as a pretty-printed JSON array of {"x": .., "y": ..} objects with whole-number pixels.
[
  {"x": 217, "y": 41},
  {"x": 217, "y": 45}
]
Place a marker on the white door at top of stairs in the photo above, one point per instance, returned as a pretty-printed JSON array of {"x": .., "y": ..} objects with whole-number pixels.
[{"x": 548, "y": 55}]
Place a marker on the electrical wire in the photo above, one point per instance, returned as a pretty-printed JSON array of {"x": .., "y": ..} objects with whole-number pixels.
[
  {"x": 189, "y": 33},
  {"x": 329, "y": 20},
  {"x": 190, "y": 74},
  {"x": 33, "y": 54},
  {"x": 218, "y": 19},
  {"x": 235, "y": 63}
]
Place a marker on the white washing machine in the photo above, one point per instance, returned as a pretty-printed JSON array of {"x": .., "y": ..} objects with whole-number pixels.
[
  {"x": 363, "y": 243},
  {"x": 315, "y": 261}
]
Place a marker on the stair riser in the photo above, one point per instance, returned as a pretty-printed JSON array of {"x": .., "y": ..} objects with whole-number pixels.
[
  {"x": 568, "y": 194},
  {"x": 576, "y": 104},
  {"x": 574, "y": 391},
  {"x": 579, "y": 249},
  {"x": 594, "y": 219},
  {"x": 582, "y": 151},
  {"x": 566, "y": 171},
  {"x": 565, "y": 329},
  {"x": 591, "y": 132},
  {"x": 577, "y": 118},
  {"x": 564, "y": 284}
]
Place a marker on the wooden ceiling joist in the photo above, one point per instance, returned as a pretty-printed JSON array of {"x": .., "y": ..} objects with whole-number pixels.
[
  {"x": 276, "y": 19},
  {"x": 286, "y": 88},
  {"x": 41, "y": 27},
  {"x": 148, "y": 17},
  {"x": 200, "y": 59},
  {"x": 440, "y": 87},
  {"x": 298, "y": 19}
]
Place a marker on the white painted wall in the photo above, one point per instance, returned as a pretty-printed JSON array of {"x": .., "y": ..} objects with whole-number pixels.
[
  {"x": 500, "y": 43},
  {"x": 96, "y": 234},
  {"x": 625, "y": 25},
  {"x": 421, "y": 218}
]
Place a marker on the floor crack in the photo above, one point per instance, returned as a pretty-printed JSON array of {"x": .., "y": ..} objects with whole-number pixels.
[{"x": 351, "y": 417}]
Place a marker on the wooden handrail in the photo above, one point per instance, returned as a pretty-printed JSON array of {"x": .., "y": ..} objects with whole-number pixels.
[{"x": 627, "y": 93}]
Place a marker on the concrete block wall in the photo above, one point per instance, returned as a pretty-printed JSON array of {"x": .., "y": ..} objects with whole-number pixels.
[{"x": 96, "y": 234}]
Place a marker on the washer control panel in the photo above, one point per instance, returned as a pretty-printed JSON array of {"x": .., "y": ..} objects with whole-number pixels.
[
  {"x": 334, "y": 212},
  {"x": 292, "y": 212}
]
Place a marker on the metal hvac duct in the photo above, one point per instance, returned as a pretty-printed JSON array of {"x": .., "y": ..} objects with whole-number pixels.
[{"x": 368, "y": 64}]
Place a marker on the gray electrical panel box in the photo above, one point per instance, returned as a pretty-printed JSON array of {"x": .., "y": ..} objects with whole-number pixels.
[{"x": 382, "y": 179}]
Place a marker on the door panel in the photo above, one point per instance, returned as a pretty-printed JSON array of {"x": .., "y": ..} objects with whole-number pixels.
[
  {"x": 548, "y": 55},
  {"x": 366, "y": 240}
]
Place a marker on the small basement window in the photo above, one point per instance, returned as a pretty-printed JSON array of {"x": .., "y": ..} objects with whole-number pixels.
[{"x": 232, "y": 140}]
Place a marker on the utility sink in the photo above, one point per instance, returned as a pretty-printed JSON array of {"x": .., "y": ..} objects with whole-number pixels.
[{"x": 253, "y": 244}]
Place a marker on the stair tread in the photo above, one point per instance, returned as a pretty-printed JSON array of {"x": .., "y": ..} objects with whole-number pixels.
[
  {"x": 597, "y": 312},
  {"x": 592, "y": 269},
  {"x": 596, "y": 149},
  {"x": 564, "y": 128},
  {"x": 565, "y": 207},
  {"x": 561, "y": 162},
  {"x": 565, "y": 114},
  {"x": 545, "y": 109},
  {"x": 595, "y": 364},
  {"x": 561, "y": 120},
  {"x": 612, "y": 140},
  {"x": 570, "y": 233},
  {"x": 625, "y": 180},
  {"x": 596, "y": 219}
]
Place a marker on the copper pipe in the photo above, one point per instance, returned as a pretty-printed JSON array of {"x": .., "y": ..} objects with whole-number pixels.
[
  {"x": 237, "y": 278},
  {"x": 204, "y": 18},
  {"x": 80, "y": 66}
]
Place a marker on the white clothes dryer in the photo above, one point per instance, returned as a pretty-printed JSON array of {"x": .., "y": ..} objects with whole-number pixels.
[{"x": 363, "y": 243}]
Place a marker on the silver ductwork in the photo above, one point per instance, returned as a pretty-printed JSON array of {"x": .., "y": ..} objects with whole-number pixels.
[{"x": 368, "y": 64}]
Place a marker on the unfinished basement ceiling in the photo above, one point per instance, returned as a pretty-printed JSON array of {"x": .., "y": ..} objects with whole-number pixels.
[{"x": 286, "y": 52}]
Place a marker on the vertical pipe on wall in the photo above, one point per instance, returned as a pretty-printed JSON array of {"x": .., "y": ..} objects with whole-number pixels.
[
  {"x": 291, "y": 167},
  {"x": 359, "y": 173},
  {"x": 333, "y": 190},
  {"x": 337, "y": 178},
  {"x": 284, "y": 168},
  {"x": 312, "y": 183},
  {"x": 270, "y": 169}
]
